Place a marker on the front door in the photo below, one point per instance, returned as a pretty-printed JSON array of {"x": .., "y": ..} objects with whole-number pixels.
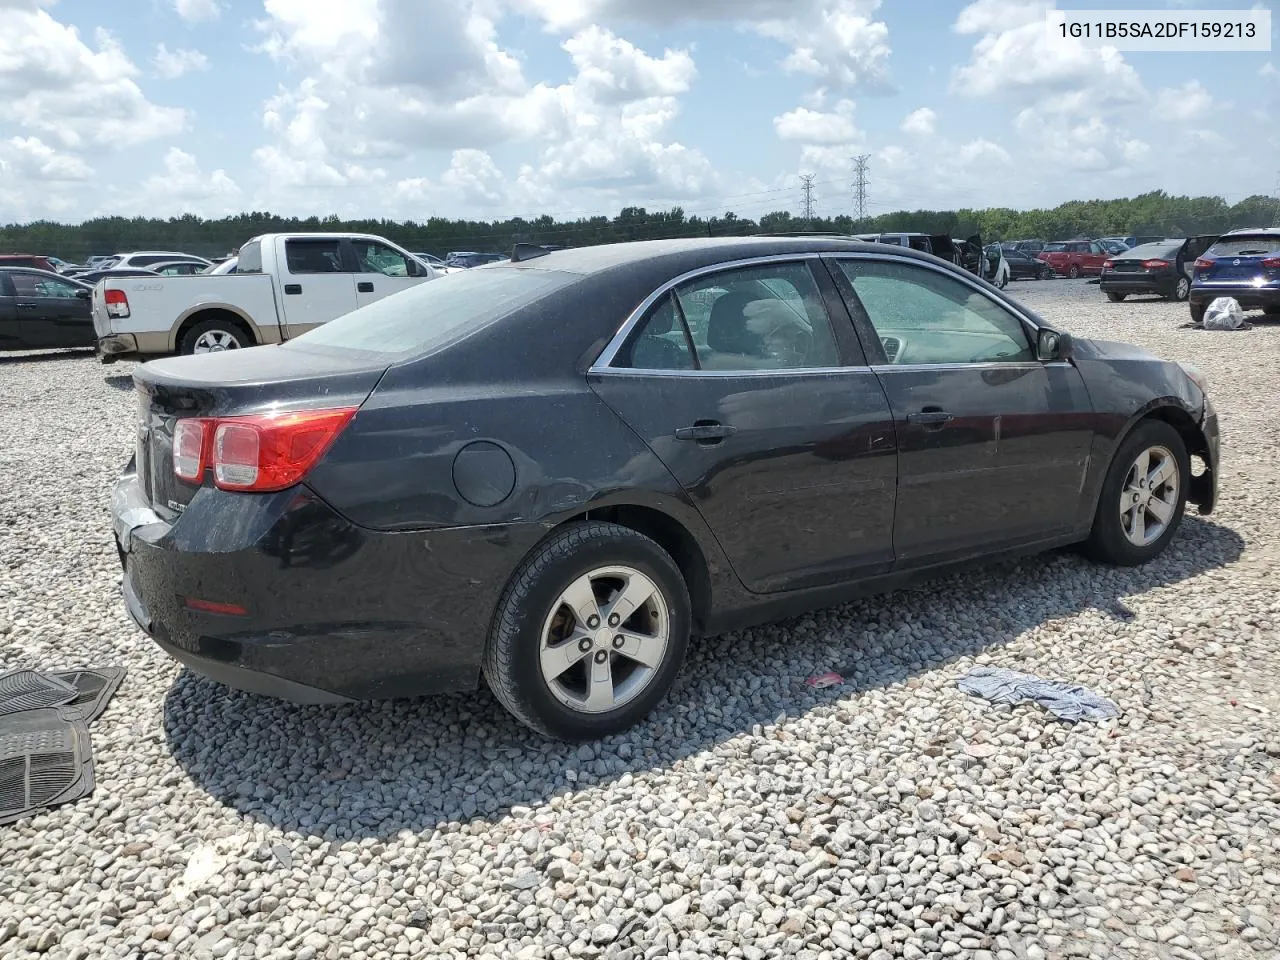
[
  {"x": 316, "y": 285},
  {"x": 993, "y": 444},
  {"x": 764, "y": 411},
  {"x": 382, "y": 270},
  {"x": 51, "y": 312}
]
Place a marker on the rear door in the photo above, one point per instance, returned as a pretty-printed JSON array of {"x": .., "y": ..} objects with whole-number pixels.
[
  {"x": 382, "y": 270},
  {"x": 51, "y": 312},
  {"x": 1094, "y": 257},
  {"x": 993, "y": 444},
  {"x": 1192, "y": 250},
  {"x": 747, "y": 382},
  {"x": 316, "y": 283}
]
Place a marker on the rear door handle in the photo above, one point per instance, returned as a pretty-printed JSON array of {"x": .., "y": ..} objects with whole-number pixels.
[
  {"x": 292, "y": 289},
  {"x": 930, "y": 418},
  {"x": 27, "y": 306},
  {"x": 364, "y": 286},
  {"x": 706, "y": 432}
]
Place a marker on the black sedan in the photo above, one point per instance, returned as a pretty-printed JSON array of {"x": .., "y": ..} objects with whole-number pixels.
[
  {"x": 40, "y": 310},
  {"x": 551, "y": 472},
  {"x": 1162, "y": 268},
  {"x": 1024, "y": 266}
]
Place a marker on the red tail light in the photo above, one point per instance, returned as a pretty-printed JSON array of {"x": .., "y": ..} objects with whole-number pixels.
[
  {"x": 214, "y": 606},
  {"x": 1108, "y": 264},
  {"x": 1272, "y": 263},
  {"x": 1154, "y": 264},
  {"x": 260, "y": 453},
  {"x": 1203, "y": 264},
  {"x": 117, "y": 303}
]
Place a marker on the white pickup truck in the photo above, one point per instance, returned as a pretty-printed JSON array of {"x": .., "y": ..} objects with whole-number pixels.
[{"x": 284, "y": 284}]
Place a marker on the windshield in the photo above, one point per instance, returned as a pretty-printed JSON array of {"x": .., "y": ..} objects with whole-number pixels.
[
  {"x": 1246, "y": 246},
  {"x": 436, "y": 313}
]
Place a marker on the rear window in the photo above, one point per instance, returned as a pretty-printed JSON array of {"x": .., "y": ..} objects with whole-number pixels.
[
  {"x": 250, "y": 258},
  {"x": 1148, "y": 250},
  {"x": 436, "y": 313},
  {"x": 1245, "y": 246}
]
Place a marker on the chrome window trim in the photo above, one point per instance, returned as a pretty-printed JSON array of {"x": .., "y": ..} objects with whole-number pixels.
[
  {"x": 979, "y": 365},
  {"x": 603, "y": 363},
  {"x": 726, "y": 374}
]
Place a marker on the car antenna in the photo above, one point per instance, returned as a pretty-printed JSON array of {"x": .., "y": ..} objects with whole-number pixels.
[{"x": 527, "y": 251}]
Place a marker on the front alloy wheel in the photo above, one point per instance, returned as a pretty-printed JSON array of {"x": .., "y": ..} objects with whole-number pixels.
[
  {"x": 1143, "y": 496},
  {"x": 1150, "y": 496}
]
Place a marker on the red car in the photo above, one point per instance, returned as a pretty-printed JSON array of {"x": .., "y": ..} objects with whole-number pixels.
[
  {"x": 1071, "y": 258},
  {"x": 26, "y": 260}
]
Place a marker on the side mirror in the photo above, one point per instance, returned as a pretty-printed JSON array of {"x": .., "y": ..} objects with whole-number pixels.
[
  {"x": 1052, "y": 345},
  {"x": 84, "y": 294}
]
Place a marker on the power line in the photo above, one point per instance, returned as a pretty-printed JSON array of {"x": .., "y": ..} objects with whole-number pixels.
[
  {"x": 860, "y": 188},
  {"x": 806, "y": 184}
]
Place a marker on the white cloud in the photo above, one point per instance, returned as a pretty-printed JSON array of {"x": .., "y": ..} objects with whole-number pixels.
[
  {"x": 196, "y": 11},
  {"x": 374, "y": 94},
  {"x": 811, "y": 126},
  {"x": 1017, "y": 56},
  {"x": 1187, "y": 102},
  {"x": 182, "y": 187},
  {"x": 76, "y": 97},
  {"x": 29, "y": 158},
  {"x": 1269, "y": 70},
  {"x": 922, "y": 122},
  {"x": 171, "y": 64}
]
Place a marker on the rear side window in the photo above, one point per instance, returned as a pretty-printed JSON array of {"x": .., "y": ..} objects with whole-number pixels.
[
  {"x": 1054, "y": 247},
  {"x": 435, "y": 314},
  {"x": 1249, "y": 245},
  {"x": 250, "y": 258},
  {"x": 314, "y": 256}
]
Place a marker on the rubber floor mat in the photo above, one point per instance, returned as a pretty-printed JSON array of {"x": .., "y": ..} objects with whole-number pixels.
[
  {"x": 27, "y": 690},
  {"x": 45, "y": 760},
  {"x": 93, "y": 689}
]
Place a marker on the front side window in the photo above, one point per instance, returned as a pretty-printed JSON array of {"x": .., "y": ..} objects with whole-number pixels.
[
  {"x": 374, "y": 257},
  {"x": 925, "y": 317},
  {"x": 313, "y": 256}
]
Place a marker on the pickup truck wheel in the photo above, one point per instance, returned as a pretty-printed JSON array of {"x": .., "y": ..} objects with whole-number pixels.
[
  {"x": 1074, "y": 272},
  {"x": 214, "y": 336}
]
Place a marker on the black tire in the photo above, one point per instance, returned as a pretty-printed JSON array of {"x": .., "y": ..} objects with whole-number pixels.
[
  {"x": 511, "y": 663},
  {"x": 1116, "y": 297},
  {"x": 1074, "y": 271},
  {"x": 1107, "y": 541},
  {"x": 1271, "y": 311},
  {"x": 232, "y": 329},
  {"x": 1046, "y": 274},
  {"x": 1197, "y": 312},
  {"x": 1181, "y": 290}
]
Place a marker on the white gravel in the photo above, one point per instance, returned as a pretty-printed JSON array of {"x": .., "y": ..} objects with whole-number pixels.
[{"x": 751, "y": 817}]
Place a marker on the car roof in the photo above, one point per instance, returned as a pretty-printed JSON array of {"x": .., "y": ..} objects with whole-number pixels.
[
  {"x": 1252, "y": 231},
  {"x": 691, "y": 253},
  {"x": 42, "y": 273}
]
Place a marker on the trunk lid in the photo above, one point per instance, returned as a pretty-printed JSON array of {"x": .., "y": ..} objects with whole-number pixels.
[{"x": 234, "y": 383}]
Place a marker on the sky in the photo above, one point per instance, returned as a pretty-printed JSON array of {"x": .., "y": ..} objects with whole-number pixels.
[{"x": 487, "y": 109}]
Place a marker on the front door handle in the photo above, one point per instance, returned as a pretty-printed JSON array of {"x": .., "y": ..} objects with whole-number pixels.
[
  {"x": 27, "y": 306},
  {"x": 931, "y": 418},
  {"x": 292, "y": 289},
  {"x": 706, "y": 432},
  {"x": 364, "y": 286}
]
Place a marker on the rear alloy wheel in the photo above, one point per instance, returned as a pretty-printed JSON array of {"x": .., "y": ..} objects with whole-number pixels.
[
  {"x": 1143, "y": 496},
  {"x": 1182, "y": 289},
  {"x": 1116, "y": 297},
  {"x": 590, "y": 632},
  {"x": 1074, "y": 272}
]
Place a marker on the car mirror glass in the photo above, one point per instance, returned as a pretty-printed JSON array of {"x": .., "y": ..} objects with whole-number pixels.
[{"x": 1052, "y": 345}]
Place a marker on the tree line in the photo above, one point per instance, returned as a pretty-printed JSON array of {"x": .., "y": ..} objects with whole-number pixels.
[{"x": 1150, "y": 213}]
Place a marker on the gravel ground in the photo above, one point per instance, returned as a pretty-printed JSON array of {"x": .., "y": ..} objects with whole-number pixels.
[{"x": 752, "y": 817}]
